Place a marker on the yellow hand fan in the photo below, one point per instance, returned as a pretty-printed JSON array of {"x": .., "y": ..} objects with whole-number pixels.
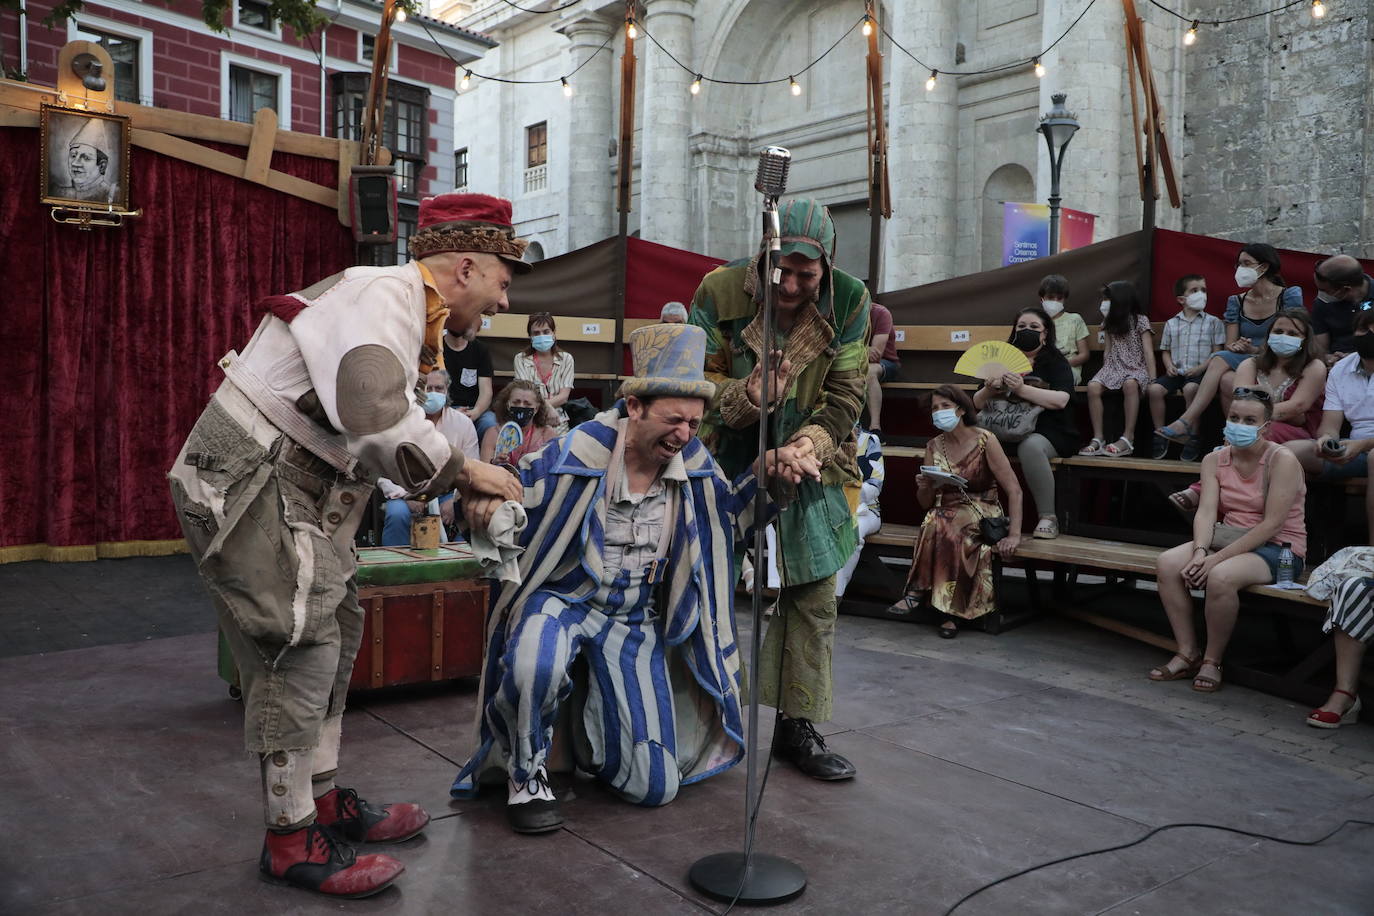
[{"x": 991, "y": 358}]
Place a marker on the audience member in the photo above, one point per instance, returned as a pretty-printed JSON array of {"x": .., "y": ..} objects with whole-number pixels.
[
  {"x": 469, "y": 366},
  {"x": 1070, "y": 330},
  {"x": 1343, "y": 290},
  {"x": 520, "y": 403},
  {"x": 1349, "y": 398},
  {"x": 883, "y": 364},
  {"x": 868, "y": 515},
  {"x": 1347, "y": 581},
  {"x": 951, "y": 566},
  {"x": 673, "y": 313},
  {"x": 547, "y": 365},
  {"x": 1289, "y": 366},
  {"x": 1128, "y": 365},
  {"x": 1249, "y": 315},
  {"x": 1055, "y": 435},
  {"x": 1255, "y": 489},
  {"x": 460, "y": 433},
  {"x": 1189, "y": 338}
]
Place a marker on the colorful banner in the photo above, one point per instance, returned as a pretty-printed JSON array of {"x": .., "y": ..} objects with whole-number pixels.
[
  {"x": 1025, "y": 232},
  {"x": 1075, "y": 229}
]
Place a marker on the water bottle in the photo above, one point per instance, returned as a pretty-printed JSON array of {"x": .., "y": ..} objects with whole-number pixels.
[{"x": 1285, "y": 576}]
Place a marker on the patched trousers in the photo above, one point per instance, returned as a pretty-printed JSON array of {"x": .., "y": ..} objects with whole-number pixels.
[{"x": 797, "y": 650}]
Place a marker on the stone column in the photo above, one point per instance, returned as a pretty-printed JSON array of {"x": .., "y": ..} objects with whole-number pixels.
[
  {"x": 665, "y": 159},
  {"x": 1088, "y": 66},
  {"x": 919, "y": 239},
  {"x": 590, "y": 212}
]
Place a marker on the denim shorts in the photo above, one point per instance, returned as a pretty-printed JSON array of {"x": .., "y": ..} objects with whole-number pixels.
[
  {"x": 1174, "y": 384},
  {"x": 1357, "y": 468},
  {"x": 1269, "y": 553},
  {"x": 888, "y": 369}
]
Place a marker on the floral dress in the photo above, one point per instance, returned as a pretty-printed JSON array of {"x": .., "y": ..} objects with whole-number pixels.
[
  {"x": 1125, "y": 358},
  {"x": 951, "y": 562}
]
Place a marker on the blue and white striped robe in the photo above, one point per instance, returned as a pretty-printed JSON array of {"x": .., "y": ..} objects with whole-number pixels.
[{"x": 564, "y": 541}]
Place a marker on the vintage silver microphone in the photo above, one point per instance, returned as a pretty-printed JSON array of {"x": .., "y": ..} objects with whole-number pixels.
[{"x": 749, "y": 877}]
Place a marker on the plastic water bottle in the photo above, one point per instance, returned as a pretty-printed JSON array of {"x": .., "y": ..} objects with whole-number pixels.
[{"x": 1285, "y": 576}]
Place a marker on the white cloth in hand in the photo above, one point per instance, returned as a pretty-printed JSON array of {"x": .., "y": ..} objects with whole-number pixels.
[
  {"x": 391, "y": 490},
  {"x": 498, "y": 547}
]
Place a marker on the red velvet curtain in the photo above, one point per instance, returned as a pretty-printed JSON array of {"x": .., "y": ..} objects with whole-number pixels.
[{"x": 111, "y": 337}]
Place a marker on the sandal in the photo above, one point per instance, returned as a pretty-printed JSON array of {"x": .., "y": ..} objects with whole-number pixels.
[
  {"x": 1115, "y": 451},
  {"x": 906, "y": 605},
  {"x": 1204, "y": 684},
  {"x": 949, "y": 629},
  {"x": 1047, "y": 527},
  {"x": 1325, "y": 718},
  {"x": 1092, "y": 449},
  {"x": 1166, "y": 673},
  {"x": 1173, "y": 435},
  {"x": 1186, "y": 502}
]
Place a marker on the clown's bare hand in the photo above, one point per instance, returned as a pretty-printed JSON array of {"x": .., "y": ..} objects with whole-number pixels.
[
  {"x": 478, "y": 511},
  {"x": 777, "y": 382},
  {"x": 795, "y": 462},
  {"x": 478, "y": 479}
]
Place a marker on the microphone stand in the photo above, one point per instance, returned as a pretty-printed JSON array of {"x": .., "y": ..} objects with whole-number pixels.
[{"x": 749, "y": 877}]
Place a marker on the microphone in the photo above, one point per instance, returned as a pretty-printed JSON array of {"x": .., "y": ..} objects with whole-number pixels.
[{"x": 774, "y": 163}]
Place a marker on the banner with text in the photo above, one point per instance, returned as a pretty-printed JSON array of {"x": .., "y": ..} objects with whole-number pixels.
[{"x": 1026, "y": 231}]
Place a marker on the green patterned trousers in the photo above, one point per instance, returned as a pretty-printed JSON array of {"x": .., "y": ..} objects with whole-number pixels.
[{"x": 799, "y": 643}]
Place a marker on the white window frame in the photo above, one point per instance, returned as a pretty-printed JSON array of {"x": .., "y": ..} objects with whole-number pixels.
[
  {"x": 283, "y": 73},
  {"x": 392, "y": 65},
  {"x": 144, "y": 37},
  {"x": 274, "y": 32}
]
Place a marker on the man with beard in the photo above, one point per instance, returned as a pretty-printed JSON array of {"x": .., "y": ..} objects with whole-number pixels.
[
  {"x": 270, "y": 487},
  {"x": 623, "y": 608},
  {"x": 817, "y": 391}
]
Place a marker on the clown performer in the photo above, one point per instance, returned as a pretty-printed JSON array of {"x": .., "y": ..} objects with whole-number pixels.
[
  {"x": 630, "y": 546},
  {"x": 270, "y": 487},
  {"x": 817, "y": 390}
]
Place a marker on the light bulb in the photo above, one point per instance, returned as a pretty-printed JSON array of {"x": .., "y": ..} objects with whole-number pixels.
[
  {"x": 630, "y": 31},
  {"x": 796, "y": 87},
  {"x": 930, "y": 83},
  {"x": 400, "y": 13},
  {"x": 1190, "y": 36},
  {"x": 466, "y": 81},
  {"x": 567, "y": 87},
  {"x": 696, "y": 85},
  {"x": 1318, "y": 9},
  {"x": 868, "y": 27},
  {"x": 1039, "y": 69}
]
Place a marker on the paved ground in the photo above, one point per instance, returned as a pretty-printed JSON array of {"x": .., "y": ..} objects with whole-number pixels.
[{"x": 124, "y": 791}]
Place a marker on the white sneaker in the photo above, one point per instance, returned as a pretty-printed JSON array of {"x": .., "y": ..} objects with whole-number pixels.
[{"x": 537, "y": 789}]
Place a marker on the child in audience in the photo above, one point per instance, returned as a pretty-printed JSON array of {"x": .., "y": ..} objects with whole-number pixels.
[
  {"x": 1190, "y": 337},
  {"x": 1128, "y": 364},
  {"x": 1070, "y": 330}
]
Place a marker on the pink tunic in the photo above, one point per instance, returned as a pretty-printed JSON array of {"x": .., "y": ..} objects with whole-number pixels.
[{"x": 1241, "y": 501}]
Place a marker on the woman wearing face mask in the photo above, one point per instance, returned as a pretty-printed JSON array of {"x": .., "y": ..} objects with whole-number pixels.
[
  {"x": 520, "y": 403},
  {"x": 952, "y": 563},
  {"x": 545, "y": 364},
  {"x": 1055, "y": 435},
  {"x": 1249, "y": 316},
  {"x": 1256, "y": 488},
  {"x": 1070, "y": 330}
]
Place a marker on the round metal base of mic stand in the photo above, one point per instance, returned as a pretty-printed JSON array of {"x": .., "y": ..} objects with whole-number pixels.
[{"x": 770, "y": 879}]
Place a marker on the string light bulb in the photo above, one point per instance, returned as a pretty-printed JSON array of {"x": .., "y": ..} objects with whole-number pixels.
[
  {"x": 1190, "y": 36},
  {"x": 1318, "y": 9},
  {"x": 868, "y": 25},
  {"x": 400, "y": 13},
  {"x": 930, "y": 83},
  {"x": 1039, "y": 69},
  {"x": 796, "y": 86},
  {"x": 567, "y": 87},
  {"x": 696, "y": 85},
  {"x": 466, "y": 81},
  {"x": 630, "y": 31}
]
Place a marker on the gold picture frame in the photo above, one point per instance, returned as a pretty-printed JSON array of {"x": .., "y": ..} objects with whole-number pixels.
[{"x": 85, "y": 162}]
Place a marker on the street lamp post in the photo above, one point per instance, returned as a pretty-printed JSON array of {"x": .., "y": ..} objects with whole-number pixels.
[{"x": 1058, "y": 128}]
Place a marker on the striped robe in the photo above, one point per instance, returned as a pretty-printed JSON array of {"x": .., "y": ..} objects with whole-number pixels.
[{"x": 564, "y": 540}]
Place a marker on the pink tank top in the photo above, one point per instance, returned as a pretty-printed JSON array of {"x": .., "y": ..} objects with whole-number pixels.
[{"x": 1242, "y": 501}]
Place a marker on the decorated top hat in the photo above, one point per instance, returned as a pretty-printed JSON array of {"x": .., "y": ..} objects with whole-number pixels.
[
  {"x": 468, "y": 222},
  {"x": 669, "y": 362}
]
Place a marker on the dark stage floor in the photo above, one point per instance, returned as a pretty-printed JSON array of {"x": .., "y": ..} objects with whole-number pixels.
[{"x": 125, "y": 789}]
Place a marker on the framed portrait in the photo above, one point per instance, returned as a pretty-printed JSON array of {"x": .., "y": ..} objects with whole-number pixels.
[{"x": 85, "y": 158}]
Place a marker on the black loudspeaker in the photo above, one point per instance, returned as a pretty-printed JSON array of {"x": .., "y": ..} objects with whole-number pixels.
[{"x": 372, "y": 204}]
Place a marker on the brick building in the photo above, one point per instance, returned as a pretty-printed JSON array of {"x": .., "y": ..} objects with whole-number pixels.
[{"x": 165, "y": 56}]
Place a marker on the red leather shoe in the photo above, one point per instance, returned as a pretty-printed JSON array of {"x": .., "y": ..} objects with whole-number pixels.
[
  {"x": 342, "y": 811},
  {"x": 312, "y": 858},
  {"x": 1325, "y": 718}
]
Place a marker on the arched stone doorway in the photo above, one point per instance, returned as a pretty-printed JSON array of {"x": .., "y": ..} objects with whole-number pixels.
[{"x": 1009, "y": 182}]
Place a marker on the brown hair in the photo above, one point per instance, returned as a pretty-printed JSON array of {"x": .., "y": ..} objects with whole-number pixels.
[
  {"x": 543, "y": 413},
  {"x": 961, "y": 399},
  {"x": 541, "y": 318},
  {"x": 1268, "y": 360}
]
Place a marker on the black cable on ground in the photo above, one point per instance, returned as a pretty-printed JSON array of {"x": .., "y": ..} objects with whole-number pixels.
[{"x": 1097, "y": 852}]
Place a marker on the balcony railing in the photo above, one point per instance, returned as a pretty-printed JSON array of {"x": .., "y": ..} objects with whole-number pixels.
[{"x": 536, "y": 179}]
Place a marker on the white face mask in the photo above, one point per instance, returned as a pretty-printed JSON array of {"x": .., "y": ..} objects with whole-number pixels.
[
  {"x": 1197, "y": 301},
  {"x": 1106, "y": 307},
  {"x": 1246, "y": 277},
  {"x": 1052, "y": 307}
]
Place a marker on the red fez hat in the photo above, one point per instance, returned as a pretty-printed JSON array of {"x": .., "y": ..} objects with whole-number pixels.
[{"x": 468, "y": 222}]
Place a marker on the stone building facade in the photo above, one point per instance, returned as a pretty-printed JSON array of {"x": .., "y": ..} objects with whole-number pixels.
[{"x": 1269, "y": 121}]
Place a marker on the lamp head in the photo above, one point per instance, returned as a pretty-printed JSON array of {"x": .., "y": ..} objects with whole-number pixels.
[
  {"x": 89, "y": 68},
  {"x": 1059, "y": 125}
]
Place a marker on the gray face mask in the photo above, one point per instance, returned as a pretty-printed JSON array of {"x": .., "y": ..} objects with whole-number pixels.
[{"x": 1325, "y": 296}]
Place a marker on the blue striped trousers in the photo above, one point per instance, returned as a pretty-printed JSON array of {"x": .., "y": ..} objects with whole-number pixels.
[{"x": 628, "y": 713}]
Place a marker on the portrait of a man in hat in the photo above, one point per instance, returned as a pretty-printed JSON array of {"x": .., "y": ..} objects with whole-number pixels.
[{"x": 84, "y": 158}]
